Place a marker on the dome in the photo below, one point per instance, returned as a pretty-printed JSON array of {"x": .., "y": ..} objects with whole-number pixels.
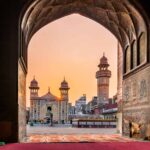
[
  {"x": 49, "y": 96},
  {"x": 103, "y": 60},
  {"x": 64, "y": 84},
  {"x": 34, "y": 83}
]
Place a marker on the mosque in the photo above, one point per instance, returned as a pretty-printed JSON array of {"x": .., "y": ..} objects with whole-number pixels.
[{"x": 58, "y": 106}]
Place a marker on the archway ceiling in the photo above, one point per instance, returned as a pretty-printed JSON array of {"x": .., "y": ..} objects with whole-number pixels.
[{"x": 118, "y": 16}]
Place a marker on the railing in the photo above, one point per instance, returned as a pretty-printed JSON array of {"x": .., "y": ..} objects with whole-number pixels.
[{"x": 92, "y": 123}]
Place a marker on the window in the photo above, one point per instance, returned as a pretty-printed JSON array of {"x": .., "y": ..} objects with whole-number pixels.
[
  {"x": 133, "y": 55},
  {"x": 141, "y": 49},
  {"x": 127, "y": 59}
]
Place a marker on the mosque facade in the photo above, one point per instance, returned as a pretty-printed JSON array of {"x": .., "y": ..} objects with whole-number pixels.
[{"x": 40, "y": 105}]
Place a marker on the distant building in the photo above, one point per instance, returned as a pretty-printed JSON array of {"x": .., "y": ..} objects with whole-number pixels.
[
  {"x": 71, "y": 109},
  {"x": 94, "y": 105},
  {"x": 80, "y": 105},
  {"x": 89, "y": 108},
  {"x": 101, "y": 105},
  {"x": 110, "y": 109},
  {"x": 57, "y": 106}
]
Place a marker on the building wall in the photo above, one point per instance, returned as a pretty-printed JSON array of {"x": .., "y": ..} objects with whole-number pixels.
[
  {"x": 136, "y": 100},
  {"x": 41, "y": 109},
  {"x": 119, "y": 75},
  {"x": 119, "y": 88},
  {"x": 21, "y": 102},
  {"x": 64, "y": 111}
]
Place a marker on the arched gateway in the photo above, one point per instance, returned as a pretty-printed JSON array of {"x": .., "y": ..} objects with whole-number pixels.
[{"x": 128, "y": 20}]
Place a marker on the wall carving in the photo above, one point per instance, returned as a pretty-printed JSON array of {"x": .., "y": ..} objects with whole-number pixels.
[
  {"x": 127, "y": 92},
  {"x": 143, "y": 89},
  {"x": 134, "y": 87}
]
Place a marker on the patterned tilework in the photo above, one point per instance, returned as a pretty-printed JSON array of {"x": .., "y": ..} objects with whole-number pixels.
[{"x": 76, "y": 138}]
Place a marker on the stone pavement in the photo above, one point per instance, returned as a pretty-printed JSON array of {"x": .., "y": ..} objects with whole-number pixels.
[
  {"x": 46, "y": 134},
  {"x": 67, "y": 129}
]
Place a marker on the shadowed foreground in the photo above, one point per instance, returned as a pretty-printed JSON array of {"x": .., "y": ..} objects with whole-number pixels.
[{"x": 80, "y": 146}]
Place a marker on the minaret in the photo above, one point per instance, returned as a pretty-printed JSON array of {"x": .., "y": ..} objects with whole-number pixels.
[
  {"x": 64, "y": 88},
  {"x": 33, "y": 88},
  {"x": 103, "y": 76},
  {"x": 33, "y": 94},
  {"x": 63, "y": 103}
]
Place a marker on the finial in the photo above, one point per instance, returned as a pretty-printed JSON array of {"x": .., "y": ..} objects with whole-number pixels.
[
  {"x": 34, "y": 77},
  {"x": 48, "y": 89},
  {"x": 103, "y": 53},
  {"x": 64, "y": 78}
]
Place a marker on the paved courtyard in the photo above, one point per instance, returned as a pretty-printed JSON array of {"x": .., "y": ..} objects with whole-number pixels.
[
  {"x": 67, "y": 129},
  {"x": 46, "y": 134}
]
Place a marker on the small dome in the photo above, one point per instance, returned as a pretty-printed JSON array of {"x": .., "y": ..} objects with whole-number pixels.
[
  {"x": 64, "y": 84},
  {"x": 103, "y": 60},
  {"x": 33, "y": 83}
]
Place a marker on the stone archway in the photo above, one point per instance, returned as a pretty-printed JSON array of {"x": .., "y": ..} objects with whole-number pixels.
[
  {"x": 129, "y": 27},
  {"x": 126, "y": 19}
]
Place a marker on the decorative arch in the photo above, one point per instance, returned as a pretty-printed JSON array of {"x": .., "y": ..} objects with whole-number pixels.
[
  {"x": 141, "y": 49},
  {"x": 127, "y": 60},
  {"x": 133, "y": 55}
]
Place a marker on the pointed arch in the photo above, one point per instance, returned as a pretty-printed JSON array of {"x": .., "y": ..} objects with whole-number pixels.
[
  {"x": 133, "y": 55},
  {"x": 141, "y": 49},
  {"x": 127, "y": 60}
]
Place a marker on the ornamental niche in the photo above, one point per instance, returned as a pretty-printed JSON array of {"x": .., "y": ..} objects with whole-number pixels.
[{"x": 143, "y": 88}]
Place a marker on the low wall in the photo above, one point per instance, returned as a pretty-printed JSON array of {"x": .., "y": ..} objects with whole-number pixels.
[{"x": 94, "y": 123}]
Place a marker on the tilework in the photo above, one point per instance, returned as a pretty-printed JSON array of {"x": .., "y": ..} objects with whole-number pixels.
[{"x": 37, "y": 138}]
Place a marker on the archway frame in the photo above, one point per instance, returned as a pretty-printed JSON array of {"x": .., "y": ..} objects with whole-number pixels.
[{"x": 125, "y": 40}]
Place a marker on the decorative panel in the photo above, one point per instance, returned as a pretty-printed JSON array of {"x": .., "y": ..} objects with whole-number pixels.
[
  {"x": 142, "y": 48},
  {"x": 128, "y": 60}
]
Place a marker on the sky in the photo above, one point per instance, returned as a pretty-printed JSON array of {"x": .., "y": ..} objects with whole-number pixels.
[{"x": 71, "y": 47}]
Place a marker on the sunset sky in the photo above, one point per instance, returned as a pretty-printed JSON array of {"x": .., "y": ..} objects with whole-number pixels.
[{"x": 72, "y": 47}]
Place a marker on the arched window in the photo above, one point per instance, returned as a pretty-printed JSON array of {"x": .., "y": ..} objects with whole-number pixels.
[
  {"x": 127, "y": 60},
  {"x": 133, "y": 55},
  {"x": 141, "y": 49},
  {"x": 124, "y": 62}
]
